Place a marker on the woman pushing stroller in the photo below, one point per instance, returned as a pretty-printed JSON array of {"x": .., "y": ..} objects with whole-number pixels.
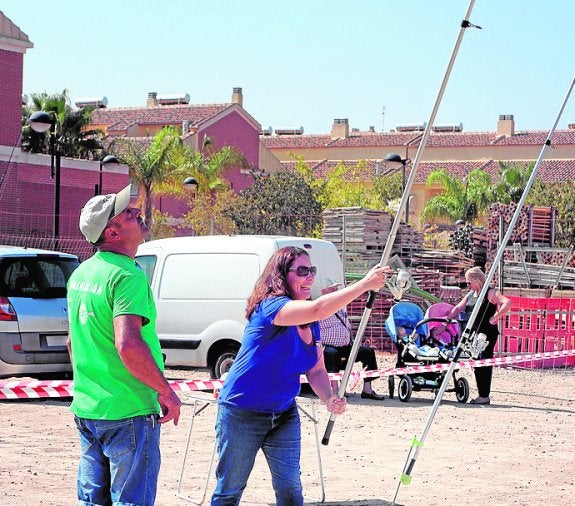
[{"x": 492, "y": 308}]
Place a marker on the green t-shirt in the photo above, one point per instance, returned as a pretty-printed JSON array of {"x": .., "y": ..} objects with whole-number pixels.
[{"x": 103, "y": 287}]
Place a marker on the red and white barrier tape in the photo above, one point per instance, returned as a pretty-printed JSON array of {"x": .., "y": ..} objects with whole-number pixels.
[{"x": 64, "y": 388}]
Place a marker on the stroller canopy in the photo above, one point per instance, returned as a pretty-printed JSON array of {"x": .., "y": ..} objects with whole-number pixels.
[
  {"x": 449, "y": 335},
  {"x": 406, "y": 315}
]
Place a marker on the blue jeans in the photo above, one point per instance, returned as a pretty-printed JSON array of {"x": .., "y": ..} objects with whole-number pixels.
[
  {"x": 240, "y": 434},
  {"x": 120, "y": 461}
]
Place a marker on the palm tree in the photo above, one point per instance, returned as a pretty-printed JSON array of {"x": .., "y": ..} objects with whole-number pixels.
[
  {"x": 513, "y": 180},
  {"x": 460, "y": 200},
  {"x": 74, "y": 140},
  {"x": 150, "y": 165}
]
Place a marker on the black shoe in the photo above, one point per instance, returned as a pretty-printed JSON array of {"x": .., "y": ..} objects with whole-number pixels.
[
  {"x": 480, "y": 400},
  {"x": 373, "y": 396}
]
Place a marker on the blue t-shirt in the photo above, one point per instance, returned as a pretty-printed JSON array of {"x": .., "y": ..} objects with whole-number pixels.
[{"x": 265, "y": 376}]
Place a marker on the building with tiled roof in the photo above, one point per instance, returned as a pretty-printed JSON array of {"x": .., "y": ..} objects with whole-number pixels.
[
  {"x": 226, "y": 124},
  {"x": 448, "y": 147}
]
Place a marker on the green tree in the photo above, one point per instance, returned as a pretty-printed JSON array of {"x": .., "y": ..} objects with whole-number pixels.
[
  {"x": 282, "y": 203},
  {"x": 465, "y": 200},
  {"x": 513, "y": 180},
  {"x": 149, "y": 165},
  {"x": 214, "y": 193},
  {"x": 72, "y": 133},
  {"x": 389, "y": 189}
]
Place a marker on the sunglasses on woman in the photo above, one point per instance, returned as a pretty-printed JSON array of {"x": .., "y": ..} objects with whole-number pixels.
[{"x": 302, "y": 270}]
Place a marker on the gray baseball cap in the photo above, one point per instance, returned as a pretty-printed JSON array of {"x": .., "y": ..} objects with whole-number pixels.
[{"x": 99, "y": 210}]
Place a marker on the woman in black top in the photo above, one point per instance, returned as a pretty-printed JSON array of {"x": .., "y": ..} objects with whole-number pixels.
[{"x": 492, "y": 308}]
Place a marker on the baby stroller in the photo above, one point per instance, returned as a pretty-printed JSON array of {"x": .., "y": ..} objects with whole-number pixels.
[{"x": 424, "y": 340}]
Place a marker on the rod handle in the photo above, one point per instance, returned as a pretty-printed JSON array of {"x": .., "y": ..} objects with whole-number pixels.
[
  {"x": 328, "y": 429},
  {"x": 370, "y": 299}
]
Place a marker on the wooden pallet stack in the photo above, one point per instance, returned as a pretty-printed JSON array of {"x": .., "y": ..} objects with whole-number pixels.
[
  {"x": 360, "y": 236},
  {"x": 535, "y": 225},
  {"x": 541, "y": 225},
  {"x": 428, "y": 279},
  {"x": 375, "y": 334},
  {"x": 452, "y": 264}
]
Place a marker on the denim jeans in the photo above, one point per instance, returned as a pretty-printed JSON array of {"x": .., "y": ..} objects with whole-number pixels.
[
  {"x": 120, "y": 461},
  {"x": 240, "y": 434}
]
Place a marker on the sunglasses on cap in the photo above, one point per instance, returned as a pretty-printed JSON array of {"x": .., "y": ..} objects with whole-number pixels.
[{"x": 302, "y": 270}]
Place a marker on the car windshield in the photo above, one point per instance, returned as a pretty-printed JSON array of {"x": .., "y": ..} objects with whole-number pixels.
[{"x": 41, "y": 276}]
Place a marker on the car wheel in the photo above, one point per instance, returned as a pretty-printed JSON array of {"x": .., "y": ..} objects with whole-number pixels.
[{"x": 223, "y": 363}]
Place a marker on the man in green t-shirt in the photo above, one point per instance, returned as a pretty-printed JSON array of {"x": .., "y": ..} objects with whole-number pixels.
[{"x": 120, "y": 393}]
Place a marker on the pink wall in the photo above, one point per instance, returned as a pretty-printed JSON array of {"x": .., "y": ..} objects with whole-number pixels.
[
  {"x": 27, "y": 198},
  {"x": 11, "y": 65},
  {"x": 234, "y": 130}
]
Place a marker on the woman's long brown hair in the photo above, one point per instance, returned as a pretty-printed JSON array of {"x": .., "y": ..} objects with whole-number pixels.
[{"x": 273, "y": 281}]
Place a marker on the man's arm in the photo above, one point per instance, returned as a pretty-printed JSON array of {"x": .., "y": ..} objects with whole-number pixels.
[{"x": 138, "y": 359}]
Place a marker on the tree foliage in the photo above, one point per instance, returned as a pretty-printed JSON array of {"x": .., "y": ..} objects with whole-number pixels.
[
  {"x": 512, "y": 181},
  {"x": 347, "y": 185},
  {"x": 149, "y": 165},
  {"x": 209, "y": 213},
  {"x": 282, "y": 203},
  {"x": 460, "y": 200},
  {"x": 74, "y": 138}
]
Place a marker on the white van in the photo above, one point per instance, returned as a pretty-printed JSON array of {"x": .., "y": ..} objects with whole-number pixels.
[{"x": 201, "y": 285}]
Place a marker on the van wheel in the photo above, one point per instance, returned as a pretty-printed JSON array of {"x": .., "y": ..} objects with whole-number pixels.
[{"x": 223, "y": 363}]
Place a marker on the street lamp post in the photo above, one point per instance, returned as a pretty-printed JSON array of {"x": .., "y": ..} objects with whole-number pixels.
[
  {"x": 105, "y": 162},
  {"x": 395, "y": 158},
  {"x": 42, "y": 122}
]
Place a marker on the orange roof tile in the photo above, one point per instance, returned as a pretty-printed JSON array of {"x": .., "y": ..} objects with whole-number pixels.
[
  {"x": 369, "y": 139},
  {"x": 119, "y": 119},
  {"x": 550, "y": 171}
]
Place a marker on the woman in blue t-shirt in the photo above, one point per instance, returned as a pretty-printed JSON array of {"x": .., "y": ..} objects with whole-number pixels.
[{"x": 281, "y": 341}]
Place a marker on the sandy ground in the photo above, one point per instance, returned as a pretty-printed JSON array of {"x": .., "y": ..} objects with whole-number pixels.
[{"x": 518, "y": 451}]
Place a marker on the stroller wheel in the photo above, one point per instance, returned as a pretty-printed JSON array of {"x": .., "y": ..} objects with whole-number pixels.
[
  {"x": 391, "y": 386},
  {"x": 462, "y": 390},
  {"x": 405, "y": 388}
]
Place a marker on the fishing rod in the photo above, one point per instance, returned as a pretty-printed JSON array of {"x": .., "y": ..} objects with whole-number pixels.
[
  {"x": 468, "y": 340},
  {"x": 393, "y": 232}
]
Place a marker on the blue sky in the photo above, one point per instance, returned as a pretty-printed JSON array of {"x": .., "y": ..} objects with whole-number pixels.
[{"x": 304, "y": 62}]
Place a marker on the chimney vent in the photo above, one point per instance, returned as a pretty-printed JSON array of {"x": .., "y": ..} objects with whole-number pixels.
[
  {"x": 506, "y": 125},
  {"x": 152, "y": 99},
  {"x": 340, "y": 128},
  {"x": 237, "y": 97}
]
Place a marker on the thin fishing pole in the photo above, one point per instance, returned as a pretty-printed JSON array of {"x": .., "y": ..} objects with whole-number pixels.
[
  {"x": 393, "y": 232},
  {"x": 417, "y": 443}
]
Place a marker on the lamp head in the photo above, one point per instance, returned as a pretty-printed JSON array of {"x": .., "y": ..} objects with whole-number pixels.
[
  {"x": 109, "y": 160},
  {"x": 40, "y": 122},
  {"x": 394, "y": 158},
  {"x": 191, "y": 183}
]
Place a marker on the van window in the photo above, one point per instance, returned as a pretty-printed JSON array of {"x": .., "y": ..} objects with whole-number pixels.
[
  {"x": 209, "y": 276},
  {"x": 148, "y": 264}
]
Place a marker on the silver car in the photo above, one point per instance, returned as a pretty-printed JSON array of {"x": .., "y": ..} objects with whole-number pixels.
[{"x": 33, "y": 311}]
